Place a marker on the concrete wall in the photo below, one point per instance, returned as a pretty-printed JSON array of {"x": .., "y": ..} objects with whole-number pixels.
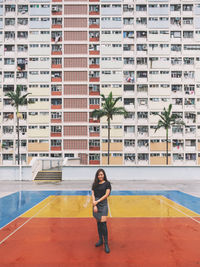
[
  {"x": 12, "y": 173},
  {"x": 142, "y": 173},
  {"x": 133, "y": 173}
]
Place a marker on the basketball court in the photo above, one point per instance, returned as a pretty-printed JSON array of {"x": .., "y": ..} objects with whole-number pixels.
[{"x": 56, "y": 228}]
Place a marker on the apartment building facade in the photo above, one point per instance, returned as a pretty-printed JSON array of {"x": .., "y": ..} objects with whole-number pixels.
[{"x": 67, "y": 53}]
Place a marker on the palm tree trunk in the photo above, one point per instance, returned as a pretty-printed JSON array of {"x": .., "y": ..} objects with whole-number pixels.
[
  {"x": 108, "y": 141},
  {"x": 18, "y": 144},
  {"x": 167, "y": 146}
]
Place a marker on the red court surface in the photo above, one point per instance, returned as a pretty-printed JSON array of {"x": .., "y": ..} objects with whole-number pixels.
[{"x": 138, "y": 242}]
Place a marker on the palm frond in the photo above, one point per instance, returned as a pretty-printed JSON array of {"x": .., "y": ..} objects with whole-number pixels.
[
  {"x": 160, "y": 124},
  {"x": 98, "y": 113}
]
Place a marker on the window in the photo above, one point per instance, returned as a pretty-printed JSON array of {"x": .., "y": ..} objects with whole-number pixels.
[{"x": 94, "y": 101}]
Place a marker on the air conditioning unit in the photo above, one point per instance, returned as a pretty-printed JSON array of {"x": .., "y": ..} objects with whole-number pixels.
[{"x": 130, "y": 6}]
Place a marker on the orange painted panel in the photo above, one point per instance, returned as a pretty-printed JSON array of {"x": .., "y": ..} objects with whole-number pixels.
[
  {"x": 94, "y": 52},
  {"x": 95, "y": 121},
  {"x": 56, "y": 66},
  {"x": 94, "y": 93},
  {"x": 94, "y": 162},
  {"x": 56, "y": 148},
  {"x": 56, "y": 13},
  {"x": 94, "y": 66},
  {"x": 94, "y": 134},
  {"x": 56, "y": 93},
  {"x": 94, "y": 106},
  {"x": 56, "y": 53},
  {"x": 56, "y": 79},
  {"x": 94, "y": 13},
  {"x": 56, "y": 134},
  {"x": 94, "y": 26},
  {"x": 56, "y": 120},
  {"x": 56, "y": 26},
  {"x": 92, "y": 148},
  {"x": 56, "y": 106},
  {"x": 94, "y": 39},
  {"x": 94, "y": 79}
]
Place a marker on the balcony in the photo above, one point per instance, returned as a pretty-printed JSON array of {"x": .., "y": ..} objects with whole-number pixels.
[
  {"x": 94, "y": 10},
  {"x": 56, "y": 63},
  {"x": 94, "y": 23},
  {"x": 56, "y": 10},
  {"x": 56, "y": 37},
  {"x": 56, "y": 50},
  {"x": 93, "y": 92},
  {"x": 22, "y": 10},
  {"x": 56, "y": 76},
  {"x": 94, "y": 76},
  {"x": 10, "y": 10},
  {"x": 9, "y": 36},
  {"x": 190, "y": 159},
  {"x": 94, "y": 36},
  {"x": 94, "y": 106},
  {"x": 94, "y": 63},
  {"x": 56, "y": 23}
]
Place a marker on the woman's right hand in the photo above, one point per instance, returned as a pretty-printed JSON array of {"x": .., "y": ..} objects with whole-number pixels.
[{"x": 95, "y": 209}]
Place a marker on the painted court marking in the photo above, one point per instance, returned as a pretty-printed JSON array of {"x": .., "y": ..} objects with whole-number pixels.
[
  {"x": 109, "y": 209},
  {"x": 86, "y": 202},
  {"x": 2, "y": 241},
  {"x": 162, "y": 200}
]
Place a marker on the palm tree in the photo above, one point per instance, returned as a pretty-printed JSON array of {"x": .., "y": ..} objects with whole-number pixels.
[
  {"x": 18, "y": 100},
  {"x": 167, "y": 120},
  {"x": 108, "y": 110}
]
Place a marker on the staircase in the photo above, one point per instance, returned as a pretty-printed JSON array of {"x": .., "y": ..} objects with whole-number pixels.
[{"x": 48, "y": 176}]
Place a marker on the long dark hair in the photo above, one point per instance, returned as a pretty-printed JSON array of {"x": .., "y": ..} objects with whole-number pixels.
[{"x": 96, "y": 180}]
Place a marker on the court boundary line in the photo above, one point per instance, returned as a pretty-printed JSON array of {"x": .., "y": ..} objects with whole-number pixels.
[
  {"x": 2, "y": 241},
  {"x": 24, "y": 212},
  {"x": 180, "y": 211},
  {"x": 176, "y": 202},
  {"x": 109, "y": 210}
]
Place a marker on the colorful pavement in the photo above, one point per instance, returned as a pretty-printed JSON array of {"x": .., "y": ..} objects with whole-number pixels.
[{"x": 56, "y": 228}]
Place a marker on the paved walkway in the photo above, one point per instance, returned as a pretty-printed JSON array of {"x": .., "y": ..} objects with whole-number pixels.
[{"x": 190, "y": 187}]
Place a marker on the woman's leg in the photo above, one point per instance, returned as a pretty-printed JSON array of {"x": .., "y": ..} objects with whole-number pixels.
[
  {"x": 100, "y": 242},
  {"x": 105, "y": 233}
]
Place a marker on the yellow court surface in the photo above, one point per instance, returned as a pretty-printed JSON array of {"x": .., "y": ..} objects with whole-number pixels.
[
  {"x": 119, "y": 206},
  {"x": 147, "y": 206}
]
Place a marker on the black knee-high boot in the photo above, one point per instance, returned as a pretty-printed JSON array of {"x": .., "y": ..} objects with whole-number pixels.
[
  {"x": 100, "y": 242},
  {"x": 105, "y": 235}
]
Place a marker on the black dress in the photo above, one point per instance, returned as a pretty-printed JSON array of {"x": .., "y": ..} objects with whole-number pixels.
[{"x": 102, "y": 206}]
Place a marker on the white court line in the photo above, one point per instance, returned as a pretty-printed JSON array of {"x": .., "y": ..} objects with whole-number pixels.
[
  {"x": 179, "y": 210},
  {"x": 109, "y": 209},
  {"x": 87, "y": 201},
  {"x": 23, "y": 213},
  {"x": 2, "y": 241}
]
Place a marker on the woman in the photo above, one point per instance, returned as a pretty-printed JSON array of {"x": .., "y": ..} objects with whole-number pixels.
[{"x": 101, "y": 189}]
